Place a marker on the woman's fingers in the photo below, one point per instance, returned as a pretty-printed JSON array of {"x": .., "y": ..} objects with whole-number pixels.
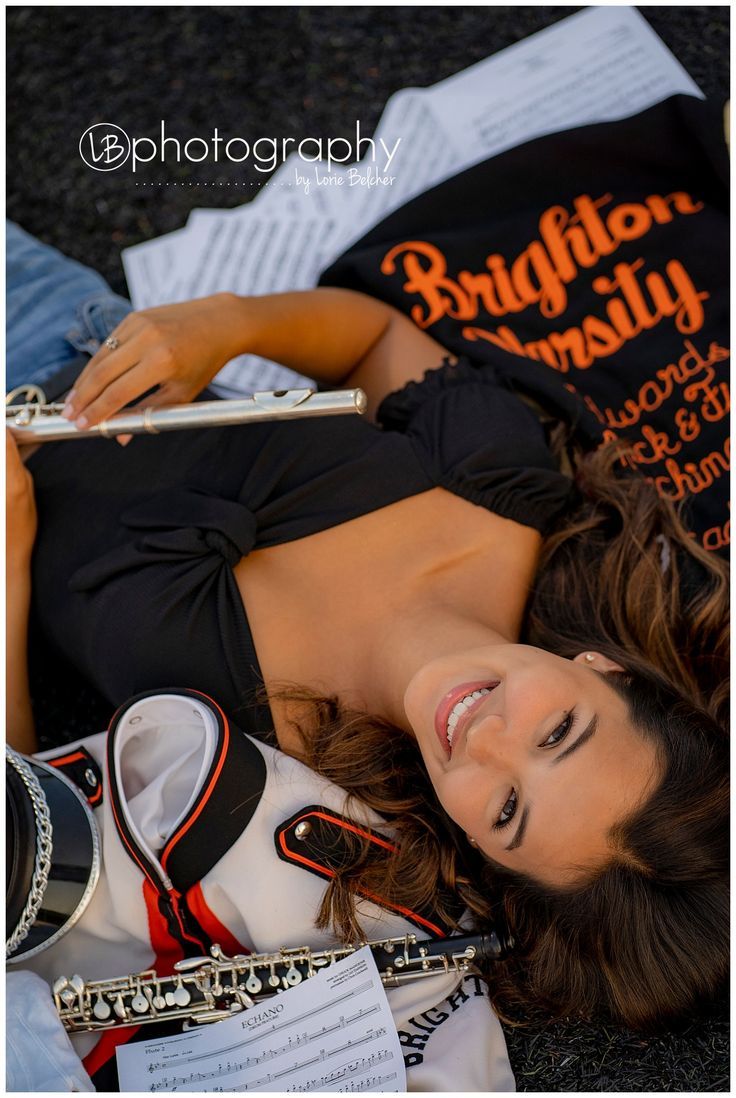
[
  {"x": 160, "y": 398},
  {"x": 14, "y": 468},
  {"x": 120, "y": 391},
  {"x": 103, "y": 367},
  {"x": 163, "y": 397},
  {"x": 20, "y": 507},
  {"x": 93, "y": 385},
  {"x": 183, "y": 345},
  {"x": 134, "y": 340}
]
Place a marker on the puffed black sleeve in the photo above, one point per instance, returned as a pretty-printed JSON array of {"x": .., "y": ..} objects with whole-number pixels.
[{"x": 476, "y": 437}]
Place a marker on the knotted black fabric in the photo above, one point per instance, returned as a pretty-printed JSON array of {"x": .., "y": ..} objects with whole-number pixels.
[
  {"x": 185, "y": 526},
  {"x": 498, "y": 457}
]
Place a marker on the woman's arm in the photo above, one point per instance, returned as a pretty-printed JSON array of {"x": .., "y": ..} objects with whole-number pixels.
[
  {"x": 20, "y": 533},
  {"x": 339, "y": 337}
]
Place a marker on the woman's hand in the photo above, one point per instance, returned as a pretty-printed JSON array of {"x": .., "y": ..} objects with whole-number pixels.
[
  {"x": 178, "y": 348},
  {"x": 338, "y": 337},
  {"x": 20, "y": 504}
]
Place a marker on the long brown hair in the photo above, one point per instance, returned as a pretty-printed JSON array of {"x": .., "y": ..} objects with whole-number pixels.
[{"x": 646, "y": 937}]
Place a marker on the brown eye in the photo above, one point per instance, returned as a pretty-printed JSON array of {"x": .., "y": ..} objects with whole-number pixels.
[
  {"x": 561, "y": 731},
  {"x": 507, "y": 813}
]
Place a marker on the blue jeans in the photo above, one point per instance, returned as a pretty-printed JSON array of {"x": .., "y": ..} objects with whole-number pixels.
[{"x": 58, "y": 312}]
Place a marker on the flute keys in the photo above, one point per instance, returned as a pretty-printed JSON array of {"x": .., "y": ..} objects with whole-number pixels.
[
  {"x": 101, "y": 1009},
  {"x": 119, "y": 1007},
  {"x": 159, "y": 1002}
]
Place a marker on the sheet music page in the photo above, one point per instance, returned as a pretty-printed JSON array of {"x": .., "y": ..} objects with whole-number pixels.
[
  {"x": 287, "y": 189},
  {"x": 595, "y": 66},
  {"x": 427, "y": 153},
  {"x": 333, "y": 1032},
  {"x": 598, "y": 65},
  {"x": 243, "y": 251},
  {"x": 150, "y": 267},
  {"x": 246, "y": 252}
]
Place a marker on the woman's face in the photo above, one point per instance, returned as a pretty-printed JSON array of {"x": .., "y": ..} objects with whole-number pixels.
[{"x": 540, "y": 764}]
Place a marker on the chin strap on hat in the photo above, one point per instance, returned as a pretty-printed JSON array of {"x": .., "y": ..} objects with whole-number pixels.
[{"x": 42, "y": 861}]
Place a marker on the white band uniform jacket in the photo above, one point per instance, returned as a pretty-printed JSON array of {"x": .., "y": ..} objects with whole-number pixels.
[{"x": 199, "y": 845}]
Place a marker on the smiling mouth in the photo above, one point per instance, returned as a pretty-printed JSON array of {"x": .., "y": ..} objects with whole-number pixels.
[{"x": 455, "y": 709}]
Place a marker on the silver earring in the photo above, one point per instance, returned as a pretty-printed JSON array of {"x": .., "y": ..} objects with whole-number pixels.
[{"x": 589, "y": 657}]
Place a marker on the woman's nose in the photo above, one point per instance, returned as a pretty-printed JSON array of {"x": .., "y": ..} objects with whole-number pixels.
[{"x": 487, "y": 739}]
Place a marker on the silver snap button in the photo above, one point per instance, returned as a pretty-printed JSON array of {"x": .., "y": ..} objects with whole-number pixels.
[
  {"x": 135, "y": 720},
  {"x": 303, "y": 829},
  {"x": 90, "y": 777}
]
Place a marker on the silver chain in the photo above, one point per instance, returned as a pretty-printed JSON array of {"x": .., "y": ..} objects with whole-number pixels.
[{"x": 42, "y": 861}]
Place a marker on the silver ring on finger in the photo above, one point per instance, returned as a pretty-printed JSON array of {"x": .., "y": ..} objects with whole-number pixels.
[{"x": 112, "y": 343}]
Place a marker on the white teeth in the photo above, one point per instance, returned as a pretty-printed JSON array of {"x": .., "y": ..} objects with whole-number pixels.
[{"x": 462, "y": 706}]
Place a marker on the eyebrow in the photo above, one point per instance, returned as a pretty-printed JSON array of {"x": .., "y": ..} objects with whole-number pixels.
[
  {"x": 583, "y": 738},
  {"x": 519, "y": 836}
]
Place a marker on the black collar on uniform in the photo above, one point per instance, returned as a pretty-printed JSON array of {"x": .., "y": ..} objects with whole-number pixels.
[{"x": 225, "y": 804}]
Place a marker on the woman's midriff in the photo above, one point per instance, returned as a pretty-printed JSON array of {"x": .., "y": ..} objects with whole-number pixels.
[{"x": 310, "y": 602}]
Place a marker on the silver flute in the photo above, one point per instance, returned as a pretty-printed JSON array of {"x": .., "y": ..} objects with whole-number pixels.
[
  {"x": 208, "y": 989},
  {"x": 32, "y": 419}
]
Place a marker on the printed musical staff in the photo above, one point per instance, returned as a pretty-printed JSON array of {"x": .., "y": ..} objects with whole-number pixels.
[{"x": 333, "y": 1032}]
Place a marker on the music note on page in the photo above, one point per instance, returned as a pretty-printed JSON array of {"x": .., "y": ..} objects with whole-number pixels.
[{"x": 334, "y": 1032}]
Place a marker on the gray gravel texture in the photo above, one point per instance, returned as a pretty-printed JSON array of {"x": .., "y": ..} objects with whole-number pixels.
[
  {"x": 250, "y": 71},
  {"x": 277, "y": 72}
]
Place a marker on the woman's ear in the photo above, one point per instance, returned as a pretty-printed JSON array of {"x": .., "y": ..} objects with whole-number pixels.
[{"x": 597, "y": 661}]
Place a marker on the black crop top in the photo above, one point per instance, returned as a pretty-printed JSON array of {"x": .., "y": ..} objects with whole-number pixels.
[{"x": 132, "y": 570}]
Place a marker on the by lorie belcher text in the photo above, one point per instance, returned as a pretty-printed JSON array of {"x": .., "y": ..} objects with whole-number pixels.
[
  {"x": 369, "y": 176},
  {"x": 372, "y": 172}
]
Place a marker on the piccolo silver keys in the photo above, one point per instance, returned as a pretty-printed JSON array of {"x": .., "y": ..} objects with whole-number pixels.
[{"x": 206, "y": 989}]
